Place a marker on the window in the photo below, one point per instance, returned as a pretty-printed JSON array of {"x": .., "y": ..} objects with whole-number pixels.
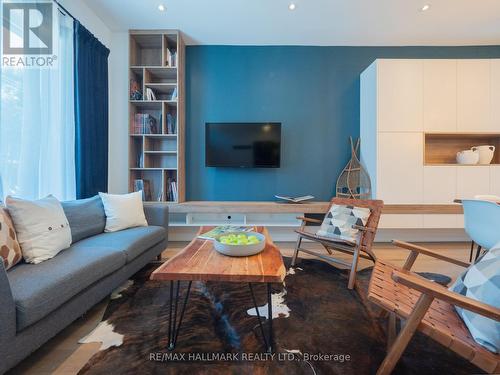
[{"x": 37, "y": 125}]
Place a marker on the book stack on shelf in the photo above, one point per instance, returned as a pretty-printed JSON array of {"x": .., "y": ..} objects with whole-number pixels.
[
  {"x": 144, "y": 123},
  {"x": 156, "y": 106}
]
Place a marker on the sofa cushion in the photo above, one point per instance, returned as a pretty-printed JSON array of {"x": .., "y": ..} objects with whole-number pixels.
[
  {"x": 86, "y": 217},
  {"x": 41, "y": 226},
  {"x": 10, "y": 250},
  {"x": 40, "y": 289},
  {"x": 133, "y": 242}
]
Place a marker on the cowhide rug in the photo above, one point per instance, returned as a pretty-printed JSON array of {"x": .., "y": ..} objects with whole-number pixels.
[{"x": 318, "y": 315}]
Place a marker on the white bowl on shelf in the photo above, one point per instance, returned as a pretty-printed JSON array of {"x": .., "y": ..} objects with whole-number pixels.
[
  {"x": 240, "y": 250},
  {"x": 468, "y": 157}
]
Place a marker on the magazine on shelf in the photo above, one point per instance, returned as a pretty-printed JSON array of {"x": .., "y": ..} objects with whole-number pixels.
[
  {"x": 295, "y": 199},
  {"x": 220, "y": 230}
]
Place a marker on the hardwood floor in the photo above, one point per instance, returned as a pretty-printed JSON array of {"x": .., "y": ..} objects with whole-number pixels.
[{"x": 63, "y": 355}]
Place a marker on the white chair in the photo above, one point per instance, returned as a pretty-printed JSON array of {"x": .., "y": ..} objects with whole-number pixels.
[{"x": 482, "y": 223}]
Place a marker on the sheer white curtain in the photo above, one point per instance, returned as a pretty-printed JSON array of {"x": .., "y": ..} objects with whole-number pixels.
[{"x": 37, "y": 126}]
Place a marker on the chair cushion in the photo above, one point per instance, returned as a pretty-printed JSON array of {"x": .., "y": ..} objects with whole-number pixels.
[
  {"x": 40, "y": 289},
  {"x": 133, "y": 242},
  {"x": 86, "y": 217},
  {"x": 339, "y": 222},
  {"x": 481, "y": 282}
]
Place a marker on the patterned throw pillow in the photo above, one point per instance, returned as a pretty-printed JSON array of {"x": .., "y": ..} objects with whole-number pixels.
[
  {"x": 481, "y": 282},
  {"x": 10, "y": 251},
  {"x": 338, "y": 222}
]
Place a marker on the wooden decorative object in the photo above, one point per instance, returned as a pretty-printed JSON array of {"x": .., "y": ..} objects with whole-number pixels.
[{"x": 354, "y": 181}]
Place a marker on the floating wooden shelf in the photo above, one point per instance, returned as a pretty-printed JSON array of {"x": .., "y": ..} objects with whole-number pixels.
[
  {"x": 442, "y": 148},
  {"x": 307, "y": 208}
]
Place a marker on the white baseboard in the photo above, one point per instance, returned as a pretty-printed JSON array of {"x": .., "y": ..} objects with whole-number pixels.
[{"x": 287, "y": 234}]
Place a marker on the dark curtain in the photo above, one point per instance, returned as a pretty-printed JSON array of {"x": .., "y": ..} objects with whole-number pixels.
[{"x": 91, "y": 113}]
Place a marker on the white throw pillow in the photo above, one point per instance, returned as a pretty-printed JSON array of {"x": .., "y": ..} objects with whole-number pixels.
[
  {"x": 123, "y": 211},
  {"x": 41, "y": 226}
]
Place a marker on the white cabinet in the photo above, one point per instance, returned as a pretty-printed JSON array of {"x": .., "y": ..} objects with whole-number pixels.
[
  {"x": 401, "y": 101},
  {"x": 400, "y": 167},
  {"x": 472, "y": 181},
  {"x": 473, "y": 96},
  {"x": 495, "y": 95},
  {"x": 440, "y": 184},
  {"x": 495, "y": 180},
  {"x": 440, "y": 95},
  {"x": 400, "y": 85}
]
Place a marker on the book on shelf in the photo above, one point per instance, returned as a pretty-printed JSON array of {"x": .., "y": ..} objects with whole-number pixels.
[
  {"x": 174, "y": 94},
  {"x": 150, "y": 94},
  {"x": 171, "y": 124},
  {"x": 172, "y": 195},
  {"x": 171, "y": 58},
  {"x": 145, "y": 187},
  {"x": 140, "y": 160},
  {"x": 144, "y": 123},
  {"x": 223, "y": 229}
]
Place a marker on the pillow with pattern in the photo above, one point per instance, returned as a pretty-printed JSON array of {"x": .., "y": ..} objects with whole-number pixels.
[
  {"x": 338, "y": 223},
  {"x": 481, "y": 282},
  {"x": 10, "y": 251}
]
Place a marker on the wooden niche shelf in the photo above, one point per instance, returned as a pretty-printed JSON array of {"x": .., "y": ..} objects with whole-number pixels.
[{"x": 442, "y": 148}]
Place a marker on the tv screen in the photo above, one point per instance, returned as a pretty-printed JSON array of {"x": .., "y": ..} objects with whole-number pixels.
[{"x": 243, "y": 145}]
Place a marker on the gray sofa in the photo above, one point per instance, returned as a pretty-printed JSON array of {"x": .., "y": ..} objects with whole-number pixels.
[{"x": 39, "y": 300}]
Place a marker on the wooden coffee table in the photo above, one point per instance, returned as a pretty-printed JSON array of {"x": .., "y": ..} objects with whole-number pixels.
[{"x": 199, "y": 261}]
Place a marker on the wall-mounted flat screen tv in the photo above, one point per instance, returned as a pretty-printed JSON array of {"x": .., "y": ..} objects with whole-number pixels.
[{"x": 243, "y": 145}]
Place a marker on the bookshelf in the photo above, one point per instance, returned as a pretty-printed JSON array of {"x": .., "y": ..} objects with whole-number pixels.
[{"x": 156, "y": 121}]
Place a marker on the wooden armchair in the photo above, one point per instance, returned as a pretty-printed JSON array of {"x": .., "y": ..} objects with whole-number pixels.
[
  {"x": 364, "y": 247},
  {"x": 429, "y": 307}
]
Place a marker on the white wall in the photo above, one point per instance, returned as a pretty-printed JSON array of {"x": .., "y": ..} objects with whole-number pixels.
[
  {"x": 118, "y": 114},
  {"x": 89, "y": 19},
  {"x": 117, "y": 42}
]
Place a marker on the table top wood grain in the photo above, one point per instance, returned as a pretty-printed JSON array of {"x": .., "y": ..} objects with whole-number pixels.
[{"x": 199, "y": 261}]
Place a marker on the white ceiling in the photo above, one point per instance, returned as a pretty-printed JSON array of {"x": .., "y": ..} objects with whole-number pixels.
[{"x": 313, "y": 22}]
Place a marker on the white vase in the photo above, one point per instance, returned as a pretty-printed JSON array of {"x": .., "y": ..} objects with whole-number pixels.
[
  {"x": 468, "y": 157},
  {"x": 486, "y": 153}
]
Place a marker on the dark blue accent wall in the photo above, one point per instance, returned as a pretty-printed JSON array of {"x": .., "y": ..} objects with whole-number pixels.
[{"x": 312, "y": 91}]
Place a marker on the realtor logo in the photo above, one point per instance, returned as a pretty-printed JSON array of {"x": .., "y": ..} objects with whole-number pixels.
[{"x": 28, "y": 34}]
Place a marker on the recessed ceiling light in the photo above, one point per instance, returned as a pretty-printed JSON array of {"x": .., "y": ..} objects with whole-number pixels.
[
  {"x": 161, "y": 8},
  {"x": 425, "y": 7},
  {"x": 291, "y": 6}
]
